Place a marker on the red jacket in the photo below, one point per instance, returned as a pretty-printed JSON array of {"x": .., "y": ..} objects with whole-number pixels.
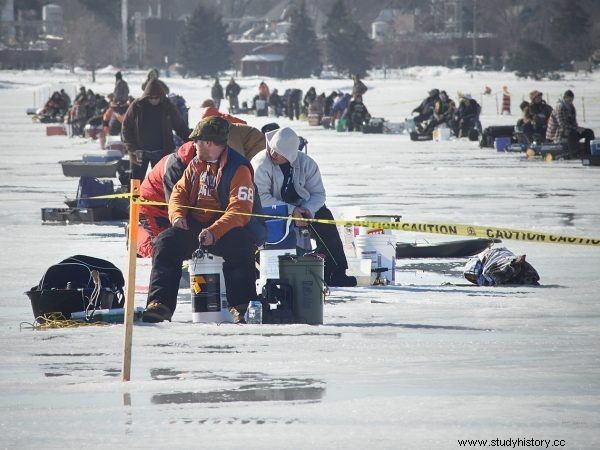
[{"x": 158, "y": 184}]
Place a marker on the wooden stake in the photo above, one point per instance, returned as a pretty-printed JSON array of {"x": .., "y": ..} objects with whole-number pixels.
[{"x": 134, "y": 214}]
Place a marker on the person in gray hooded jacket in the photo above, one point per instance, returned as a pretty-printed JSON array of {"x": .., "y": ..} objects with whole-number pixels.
[{"x": 283, "y": 174}]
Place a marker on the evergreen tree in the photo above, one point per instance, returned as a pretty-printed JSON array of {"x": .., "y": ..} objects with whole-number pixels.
[
  {"x": 534, "y": 60},
  {"x": 348, "y": 46},
  {"x": 569, "y": 31},
  {"x": 302, "y": 57},
  {"x": 203, "y": 45}
]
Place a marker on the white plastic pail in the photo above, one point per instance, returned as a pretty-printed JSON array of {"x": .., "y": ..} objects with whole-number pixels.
[
  {"x": 207, "y": 288},
  {"x": 381, "y": 250},
  {"x": 376, "y": 218},
  {"x": 361, "y": 269},
  {"x": 269, "y": 266},
  {"x": 441, "y": 133}
]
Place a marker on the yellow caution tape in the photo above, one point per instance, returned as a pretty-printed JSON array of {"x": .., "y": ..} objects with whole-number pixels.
[{"x": 479, "y": 231}]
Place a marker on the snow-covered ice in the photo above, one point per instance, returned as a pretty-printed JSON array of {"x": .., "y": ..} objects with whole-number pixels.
[{"x": 417, "y": 365}]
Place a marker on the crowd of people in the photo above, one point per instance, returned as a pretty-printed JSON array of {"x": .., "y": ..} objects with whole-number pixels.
[
  {"x": 226, "y": 165},
  {"x": 541, "y": 123},
  {"x": 294, "y": 104},
  {"x": 265, "y": 168},
  {"x": 439, "y": 109}
]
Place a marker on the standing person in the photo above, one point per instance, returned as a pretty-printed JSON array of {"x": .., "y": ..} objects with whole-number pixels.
[
  {"x": 505, "y": 101},
  {"x": 217, "y": 179},
  {"x": 263, "y": 91},
  {"x": 153, "y": 75},
  {"x": 148, "y": 129},
  {"x": 563, "y": 125},
  {"x": 285, "y": 175},
  {"x": 121, "y": 91},
  {"x": 275, "y": 103},
  {"x": 358, "y": 87},
  {"x": 216, "y": 92},
  {"x": 293, "y": 103},
  {"x": 329, "y": 101},
  {"x": 232, "y": 90},
  {"x": 309, "y": 97},
  {"x": 339, "y": 107}
]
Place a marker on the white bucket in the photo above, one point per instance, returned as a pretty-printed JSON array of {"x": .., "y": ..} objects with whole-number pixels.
[
  {"x": 207, "y": 288},
  {"x": 361, "y": 269},
  {"x": 269, "y": 266},
  {"x": 381, "y": 250},
  {"x": 376, "y": 218},
  {"x": 441, "y": 133}
]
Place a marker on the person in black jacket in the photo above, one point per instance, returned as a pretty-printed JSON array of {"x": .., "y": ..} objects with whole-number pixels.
[
  {"x": 329, "y": 101},
  {"x": 276, "y": 103},
  {"x": 294, "y": 98},
  {"x": 216, "y": 93},
  {"x": 535, "y": 117},
  {"x": 426, "y": 108},
  {"x": 232, "y": 90},
  {"x": 310, "y": 97},
  {"x": 148, "y": 129},
  {"x": 467, "y": 117},
  {"x": 356, "y": 114}
]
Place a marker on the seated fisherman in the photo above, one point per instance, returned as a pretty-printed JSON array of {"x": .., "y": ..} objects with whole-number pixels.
[
  {"x": 467, "y": 116},
  {"x": 443, "y": 112},
  {"x": 426, "y": 108},
  {"x": 563, "y": 125},
  {"x": 285, "y": 175},
  {"x": 218, "y": 178},
  {"x": 535, "y": 117}
]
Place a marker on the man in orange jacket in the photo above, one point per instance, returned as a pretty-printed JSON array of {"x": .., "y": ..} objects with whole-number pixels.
[{"x": 219, "y": 180}]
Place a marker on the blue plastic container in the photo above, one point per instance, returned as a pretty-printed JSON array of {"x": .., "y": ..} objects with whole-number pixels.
[{"x": 500, "y": 143}]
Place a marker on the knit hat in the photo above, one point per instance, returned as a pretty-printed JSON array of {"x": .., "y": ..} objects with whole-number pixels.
[
  {"x": 269, "y": 127},
  {"x": 284, "y": 141},
  {"x": 568, "y": 93},
  {"x": 153, "y": 89},
  {"x": 533, "y": 94},
  {"x": 215, "y": 129}
]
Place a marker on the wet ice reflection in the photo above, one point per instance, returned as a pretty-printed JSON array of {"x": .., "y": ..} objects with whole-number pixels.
[{"x": 255, "y": 387}]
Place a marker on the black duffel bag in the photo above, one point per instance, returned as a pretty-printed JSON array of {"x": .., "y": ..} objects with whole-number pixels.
[
  {"x": 78, "y": 283},
  {"x": 490, "y": 134}
]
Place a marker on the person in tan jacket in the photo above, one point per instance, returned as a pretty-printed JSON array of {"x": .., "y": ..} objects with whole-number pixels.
[
  {"x": 243, "y": 138},
  {"x": 220, "y": 181}
]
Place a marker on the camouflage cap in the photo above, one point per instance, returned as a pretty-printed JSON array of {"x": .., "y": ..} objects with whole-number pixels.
[{"x": 214, "y": 128}]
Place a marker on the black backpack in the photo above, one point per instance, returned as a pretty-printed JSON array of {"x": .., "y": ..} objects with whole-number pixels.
[{"x": 78, "y": 283}]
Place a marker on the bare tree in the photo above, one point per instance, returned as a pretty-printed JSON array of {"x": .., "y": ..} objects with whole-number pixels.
[{"x": 89, "y": 43}]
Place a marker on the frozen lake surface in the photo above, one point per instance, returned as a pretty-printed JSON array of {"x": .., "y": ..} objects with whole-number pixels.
[{"x": 416, "y": 365}]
